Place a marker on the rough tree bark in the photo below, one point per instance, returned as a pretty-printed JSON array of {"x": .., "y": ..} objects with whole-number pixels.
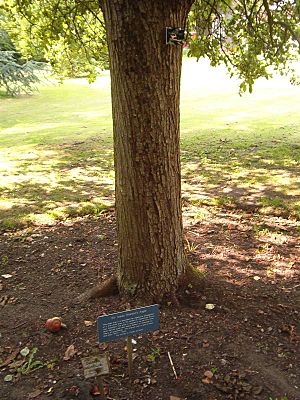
[{"x": 145, "y": 85}]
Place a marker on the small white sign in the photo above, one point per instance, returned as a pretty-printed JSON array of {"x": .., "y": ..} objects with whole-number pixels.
[{"x": 95, "y": 366}]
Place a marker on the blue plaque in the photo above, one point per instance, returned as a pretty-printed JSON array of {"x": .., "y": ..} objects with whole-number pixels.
[{"x": 128, "y": 323}]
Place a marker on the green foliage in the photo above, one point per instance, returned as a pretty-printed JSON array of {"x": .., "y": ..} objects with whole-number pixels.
[
  {"x": 191, "y": 246},
  {"x": 252, "y": 37},
  {"x": 6, "y": 43},
  {"x": 18, "y": 78},
  {"x": 16, "y": 75},
  {"x": 154, "y": 355},
  {"x": 30, "y": 364},
  {"x": 70, "y": 35}
]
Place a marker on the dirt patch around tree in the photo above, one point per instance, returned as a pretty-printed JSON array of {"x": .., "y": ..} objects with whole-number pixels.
[{"x": 237, "y": 338}]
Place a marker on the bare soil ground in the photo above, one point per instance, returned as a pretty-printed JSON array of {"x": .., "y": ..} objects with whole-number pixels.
[{"x": 245, "y": 347}]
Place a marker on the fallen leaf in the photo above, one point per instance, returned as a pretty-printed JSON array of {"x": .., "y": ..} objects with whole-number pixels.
[
  {"x": 208, "y": 374},
  {"x": 94, "y": 391},
  {"x": 4, "y": 300},
  {"x": 7, "y": 300},
  {"x": 256, "y": 278},
  {"x": 6, "y": 276},
  {"x": 103, "y": 346},
  {"x": 209, "y": 306},
  {"x": 73, "y": 390},
  {"x": 175, "y": 398},
  {"x": 1, "y": 286},
  {"x": 88, "y": 323},
  {"x": 51, "y": 365},
  {"x": 35, "y": 394},
  {"x": 24, "y": 352},
  {"x": 8, "y": 378},
  {"x": 70, "y": 352},
  {"x": 206, "y": 381},
  {"x": 10, "y": 358},
  {"x": 12, "y": 300},
  {"x": 291, "y": 330}
]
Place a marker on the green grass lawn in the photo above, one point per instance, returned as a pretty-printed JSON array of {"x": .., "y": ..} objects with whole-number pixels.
[{"x": 56, "y": 148}]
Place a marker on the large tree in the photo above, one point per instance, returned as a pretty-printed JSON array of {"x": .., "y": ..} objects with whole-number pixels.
[
  {"x": 145, "y": 86},
  {"x": 248, "y": 35}
]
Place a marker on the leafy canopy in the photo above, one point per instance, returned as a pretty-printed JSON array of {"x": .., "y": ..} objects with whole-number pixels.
[
  {"x": 249, "y": 36},
  {"x": 252, "y": 37},
  {"x": 69, "y": 34}
]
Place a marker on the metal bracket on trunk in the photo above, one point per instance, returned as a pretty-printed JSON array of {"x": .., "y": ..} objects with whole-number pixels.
[{"x": 175, "y": 36}]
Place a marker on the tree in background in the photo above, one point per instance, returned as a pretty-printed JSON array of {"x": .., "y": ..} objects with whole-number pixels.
[
  {"x": 248, "y": 35},
  {"x": 16, "y": 74},
  {"x": 18, "y": 78},
  {"x": 69, "y": 35}
]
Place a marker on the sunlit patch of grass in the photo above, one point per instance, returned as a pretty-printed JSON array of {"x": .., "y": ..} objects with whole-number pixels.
[
  {"x": 222, "y": 201},
  {"x": 273, "y": 202},
  {"x": 201, "y": 214},
  {"x": 277, "y": 206},
  {"x": 260, "y": 230},
  {"x": 51, "y": 217},
  {"x": 214, "y": 201},
  {"x": 11, "y": 223},
  {"x": 71, "y": 211},
  {"x": 191, "y": 246},
  {"x": 271, "y": 236}
]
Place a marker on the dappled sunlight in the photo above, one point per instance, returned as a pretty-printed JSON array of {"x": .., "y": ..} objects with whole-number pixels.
[
  {"x": 244, "y": 249},
  {"x": 55, "y": 184},
  {"x": 10, "y": 203},
  {"x": 229, "y": 174},
  {"x": 236, "y": 153}
]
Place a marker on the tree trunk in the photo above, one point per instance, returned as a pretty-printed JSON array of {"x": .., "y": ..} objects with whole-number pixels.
[{"x": 145, "y": 84}]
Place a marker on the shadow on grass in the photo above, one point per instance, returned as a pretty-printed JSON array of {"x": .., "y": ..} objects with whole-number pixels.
[
  {"x": 56, "y": 184},
  {"x": 58, "y": 181},
  {"x": 266, "y": 179}
]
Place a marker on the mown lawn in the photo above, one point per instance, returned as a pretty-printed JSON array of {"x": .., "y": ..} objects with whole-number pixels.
[{"x": 56, "y": 148}]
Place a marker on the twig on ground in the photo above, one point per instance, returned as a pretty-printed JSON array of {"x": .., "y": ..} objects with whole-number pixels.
[{"x": 172, "y": 365}]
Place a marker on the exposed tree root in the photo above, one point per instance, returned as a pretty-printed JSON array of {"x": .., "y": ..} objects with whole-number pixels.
[
  {"x": 191, "y": 287},
  {"x": 105, "y": 289},
  {"x": 192, "y": 278}
]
